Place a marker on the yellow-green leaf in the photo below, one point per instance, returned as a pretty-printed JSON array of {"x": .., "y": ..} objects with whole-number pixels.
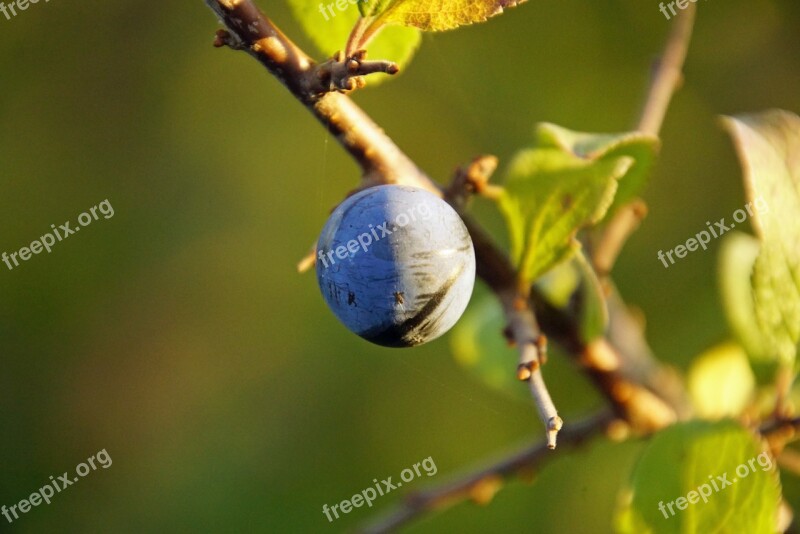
[
  {"x": 769, "y": 149},
  {"x": 737, "y": 258},
  {"x": 721, "y": 383},
  {"x": 439, "y": 15}
]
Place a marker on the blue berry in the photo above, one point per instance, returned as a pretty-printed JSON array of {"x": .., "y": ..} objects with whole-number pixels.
[{"x": 396, "y": 265}]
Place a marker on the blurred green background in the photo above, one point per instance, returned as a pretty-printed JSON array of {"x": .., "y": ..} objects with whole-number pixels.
[{"x": 178, "y": 336}]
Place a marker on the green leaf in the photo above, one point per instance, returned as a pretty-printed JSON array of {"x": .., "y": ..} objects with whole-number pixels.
[
  {"x": 439, "y": 15},
  {"x": 330, "y": 35},
  {"x": 738, "y": 254},
  {"x": 686, "y": 459},
  {"x": 721, "y": 383},
  {"x": 769, "y": 149},
  {"x": 478, "y": 344},
  {"x": 549, "y": 195},
  {"x": 642, "y": 147},
  {"x": 558, "y": 285}
]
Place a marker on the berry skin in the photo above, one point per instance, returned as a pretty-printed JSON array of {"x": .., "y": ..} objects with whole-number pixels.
[{"x": 396, "y": 265}]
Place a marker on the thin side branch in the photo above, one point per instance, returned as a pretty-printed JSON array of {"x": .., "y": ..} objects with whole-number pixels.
[
  {"x": 781, "y": 431},
  {"x": 666, "y": 80},
  {"x": 524, "y": 332},
  {"x": 668, "y": 76},
  {"x": 621, "y": 226},
  {"x": 346, "y": 73},
  {"x": 472, "y": 179},
  {"x": 482, "y": 484}
]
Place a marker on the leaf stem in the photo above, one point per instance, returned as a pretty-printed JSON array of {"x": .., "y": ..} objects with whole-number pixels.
[{"x": 354, "y": 41}]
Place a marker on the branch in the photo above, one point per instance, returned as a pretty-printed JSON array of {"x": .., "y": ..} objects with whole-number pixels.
[
  {"x": 482, "y": 484},
  {"x": 383, "y": 162},
  {"x": 380, "y": 159},
  {"x": 472, "y": 179}
]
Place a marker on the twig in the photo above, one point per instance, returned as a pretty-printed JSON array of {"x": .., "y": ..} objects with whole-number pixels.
[
  {"x": 522, "y": 330},
  {"x": 621, "y": 226},
  {"x": 524, "y": 333},
  {"x": 665, "y": 81},
  {"x": 345, "y": 72},
  {"x": 789, "y": 460},
  {"x": 781, "y": 431},
  {"x": 471, "y": 179},
  {"x": 483, "y": 483},
  {"x": 669, "y": 72},
  {"x": 636, "y": 382},
  {"x": 250, "y": 30}
]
